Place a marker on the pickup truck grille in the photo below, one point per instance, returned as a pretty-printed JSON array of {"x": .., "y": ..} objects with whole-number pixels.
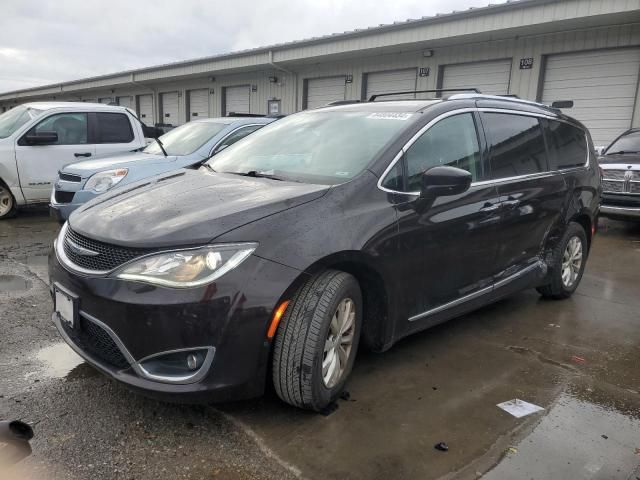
[
  {"x": 621, "y": 181},
  {"x": 94, "y": 255}
]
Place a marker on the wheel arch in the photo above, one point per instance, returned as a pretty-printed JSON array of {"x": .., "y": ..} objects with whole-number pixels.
[
  {"x": 587, "y": 223},
  {"x": 377, "y": 332}
]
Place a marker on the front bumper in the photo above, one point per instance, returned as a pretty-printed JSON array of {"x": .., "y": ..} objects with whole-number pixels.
[
  {"x": 620, "y": 212},
  {"x": 60, "y": 210},
  {"x": 230, "y": 317}
]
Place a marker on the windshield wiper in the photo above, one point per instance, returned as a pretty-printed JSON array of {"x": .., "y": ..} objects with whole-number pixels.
[
  {"x": 622, "y": 152},
  {"x": 205, "y": 164},
  {"x": 162, "y": 147},
  {"x": 256, "y": 174}
]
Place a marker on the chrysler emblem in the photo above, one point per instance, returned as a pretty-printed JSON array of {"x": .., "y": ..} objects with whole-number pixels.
[{"x": 81, "y": 250}]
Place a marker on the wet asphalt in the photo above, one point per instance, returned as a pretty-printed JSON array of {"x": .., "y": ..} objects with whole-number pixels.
[{"x": 579, "y": 359}]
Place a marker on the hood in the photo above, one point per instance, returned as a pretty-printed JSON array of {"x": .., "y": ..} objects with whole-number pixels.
[
  {"x": 186, "y": 207},
  {"x": 621, "y": 159},
  {"x": 122, "y": 160}
]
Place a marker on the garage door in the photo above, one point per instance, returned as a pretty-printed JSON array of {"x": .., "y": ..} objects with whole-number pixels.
[
  {"x": 198, "y": 103},
  {"x": 491, "y": 78},
  {"x": 602, "y": 85},
  {"x": 237, "y": 99},
  {"x": 125, "y": 102},
  {"x": 145, "y": 109},
  {"x": 169, "y": 105},
  {"x": 321, "y": 91},
  {"x": 391, "y": 81}
]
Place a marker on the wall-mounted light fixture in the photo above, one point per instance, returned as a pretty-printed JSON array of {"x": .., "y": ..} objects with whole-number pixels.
[
  {"x": 273, "y": 79},
  {"x": 427, "y": 53}
]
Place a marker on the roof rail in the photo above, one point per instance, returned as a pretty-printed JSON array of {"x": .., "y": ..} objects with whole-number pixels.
[
  {"x": 341, "y": 102},
  {"x": 238, "y": 114},
  {"x": 437, "y": 90}
]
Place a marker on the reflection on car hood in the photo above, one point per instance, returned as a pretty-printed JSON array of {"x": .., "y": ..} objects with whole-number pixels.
[
  {"x": 629, "y": 159},
  {"x": 186, "y": 207},
  {"x": 121, "y": 160}
]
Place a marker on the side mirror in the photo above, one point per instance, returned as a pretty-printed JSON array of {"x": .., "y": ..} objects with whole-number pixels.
[
  {"x": 443, "y": 181},
  {"x": 41, "y": 138}
]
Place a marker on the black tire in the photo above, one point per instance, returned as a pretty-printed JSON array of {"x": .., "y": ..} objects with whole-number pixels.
[
  {"x": 556, "y": 288},
  {"x": 300, "y": 340},
  {"x": 11, "y": 202}
]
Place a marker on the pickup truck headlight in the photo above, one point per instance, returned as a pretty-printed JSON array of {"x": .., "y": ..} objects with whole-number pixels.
[
  {"x": 187, "y": 268},
  {"x": 103, "y": 181}
]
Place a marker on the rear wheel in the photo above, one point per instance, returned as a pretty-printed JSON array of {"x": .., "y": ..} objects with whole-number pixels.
[
  {"x": 317, "y": 341},
  {"x": 7, "y": 202},
  {"x": 569, "y": 260}
]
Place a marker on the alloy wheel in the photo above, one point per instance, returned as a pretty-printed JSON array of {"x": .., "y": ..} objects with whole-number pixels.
[
  {"x": 337, "y": 346},
  {"x": 6, "y": 201},
  {"x": 571, "y": 262}
]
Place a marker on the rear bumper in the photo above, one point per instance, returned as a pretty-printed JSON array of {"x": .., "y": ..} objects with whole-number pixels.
[{"x": 620, "y": 212}]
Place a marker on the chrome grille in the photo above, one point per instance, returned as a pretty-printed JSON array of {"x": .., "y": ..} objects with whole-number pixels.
[
  {"x": 614, "y": 174},
  {"x": 613, "y": 187},
  {"x": 634, "y": 187},
  {"x": 107, "y": 257},
  {"x": 67, "y": 177}
]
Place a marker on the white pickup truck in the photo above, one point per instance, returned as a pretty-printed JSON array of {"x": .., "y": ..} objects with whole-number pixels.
[{"x": 38, "y": 139}]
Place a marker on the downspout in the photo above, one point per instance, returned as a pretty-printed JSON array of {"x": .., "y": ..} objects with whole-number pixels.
[{"x": 290, "y": 72}]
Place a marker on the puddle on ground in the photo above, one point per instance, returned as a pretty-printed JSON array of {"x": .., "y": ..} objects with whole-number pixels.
[
  {"x": 14, "y": 283},
  {"x": 60, "y": 361},
  {"x": 577, "y": 439}
]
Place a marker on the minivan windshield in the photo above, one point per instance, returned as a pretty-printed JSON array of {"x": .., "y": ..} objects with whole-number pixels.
[
  {"x": 185, "y": 139},
  {"x": 324, "y": 147},
  {"x": 629, "y": 143},
  {"x": 15, "y": 118}
]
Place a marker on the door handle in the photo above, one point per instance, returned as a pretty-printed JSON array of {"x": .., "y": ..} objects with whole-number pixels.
[
  {"x": 490, "y": 207},
  {"x": 86, "y": 154},
  {"x": 511, "y": 203}
]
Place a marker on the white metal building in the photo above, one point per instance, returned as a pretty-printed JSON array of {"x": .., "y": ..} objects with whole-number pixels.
[{"x": 584, "y": 50}]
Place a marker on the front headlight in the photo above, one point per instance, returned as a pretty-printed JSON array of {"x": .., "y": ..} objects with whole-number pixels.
[
  {"x": 103, "y": 181},
  {"x": 187, "y": 268}
]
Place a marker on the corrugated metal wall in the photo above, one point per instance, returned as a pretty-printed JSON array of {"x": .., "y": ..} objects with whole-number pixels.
[{"x": 289, "y": 87}]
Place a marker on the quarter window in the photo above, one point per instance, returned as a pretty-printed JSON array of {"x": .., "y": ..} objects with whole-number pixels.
[
  {"x": 452, "y": 141},
  {"x": 70, "y": 127},
  {"x": 567, "y": 145},
  {"x": 516, "y": 144},
  {"x": 114, "y": 128}
]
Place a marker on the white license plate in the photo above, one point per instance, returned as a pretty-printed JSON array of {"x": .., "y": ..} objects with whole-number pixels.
[{"x": 65, "y": 307}]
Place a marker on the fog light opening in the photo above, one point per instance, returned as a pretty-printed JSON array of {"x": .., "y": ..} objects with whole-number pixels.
[
  {"x": 192, "y": 362},
  {"x": 177, "y": 366}
]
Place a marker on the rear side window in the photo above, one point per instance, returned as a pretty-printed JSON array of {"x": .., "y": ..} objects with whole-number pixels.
[
  {"x": 113, "y": 128},
  {"x": 452, "y": 141},
  {"x": 516, "y": 144},
  {"x": 567, "y": 145}
]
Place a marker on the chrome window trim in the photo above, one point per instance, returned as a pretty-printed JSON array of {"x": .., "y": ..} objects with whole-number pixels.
[
  {"x": 234, "y": 131},
  {"x": 478, "y": 293},
  {"x": 413, "y": 139}
]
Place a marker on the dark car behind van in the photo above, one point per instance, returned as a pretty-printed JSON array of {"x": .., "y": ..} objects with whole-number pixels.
[{"x": 354, "y": 223}]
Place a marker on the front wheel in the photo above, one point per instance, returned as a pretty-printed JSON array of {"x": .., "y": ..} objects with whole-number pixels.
[
  {"x": 568, "y": 264},
  {"x": 317, "y": 341},
  {"x": 7, "y": 202}
]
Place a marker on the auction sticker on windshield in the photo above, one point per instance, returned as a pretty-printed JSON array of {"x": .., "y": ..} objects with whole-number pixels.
[{"x": 390, "y": 116}]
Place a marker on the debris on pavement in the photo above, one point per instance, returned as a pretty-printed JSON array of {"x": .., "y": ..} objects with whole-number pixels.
[
  {"x": 605, "y": 437},
  {"x": 577, "y": 359},
  {"x": 512, "y": 450},
  {"x": 443, "y": 447},
  {"x": 519, "y": 408}
]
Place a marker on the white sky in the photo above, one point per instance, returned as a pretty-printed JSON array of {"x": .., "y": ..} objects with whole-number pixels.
[{"x": 49, "y": 41}]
